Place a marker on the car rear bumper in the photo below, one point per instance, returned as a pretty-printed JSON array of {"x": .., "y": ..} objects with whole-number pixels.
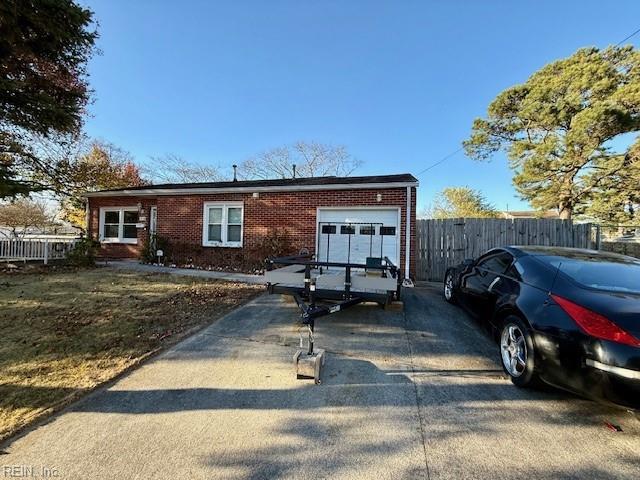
[
  {"x": 593, "y": 368},
  {"x": 615, "y": 384},
  {"x": 612, "y": 369}
]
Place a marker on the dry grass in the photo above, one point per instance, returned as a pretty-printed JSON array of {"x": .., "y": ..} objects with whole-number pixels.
[{"x": 64, "y": 333}]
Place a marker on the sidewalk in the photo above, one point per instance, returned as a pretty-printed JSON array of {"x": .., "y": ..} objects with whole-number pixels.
[{"x": 189, "y": 272}]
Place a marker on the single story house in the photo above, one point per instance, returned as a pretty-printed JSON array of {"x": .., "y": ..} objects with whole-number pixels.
[{"x": 339, "y": 218}]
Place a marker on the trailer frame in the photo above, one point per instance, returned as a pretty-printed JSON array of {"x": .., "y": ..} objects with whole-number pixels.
[{"x": 307, "y": 296}]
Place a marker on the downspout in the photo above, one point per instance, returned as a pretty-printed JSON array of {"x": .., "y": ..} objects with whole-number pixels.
[
  {"x": 407, "y": 242},
  {"x": 87, "y": 218}
]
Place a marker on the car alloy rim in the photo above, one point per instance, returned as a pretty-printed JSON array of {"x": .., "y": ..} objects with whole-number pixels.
[
  {"x": 448, "y": 287},
  {"x": 513, "y": 347}
]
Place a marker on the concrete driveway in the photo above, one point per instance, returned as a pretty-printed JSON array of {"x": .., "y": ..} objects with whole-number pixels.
[{"x": 413, "y": 394}]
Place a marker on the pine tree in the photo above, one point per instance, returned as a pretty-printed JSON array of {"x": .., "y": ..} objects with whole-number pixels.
[{"x": 556, "y": 127}]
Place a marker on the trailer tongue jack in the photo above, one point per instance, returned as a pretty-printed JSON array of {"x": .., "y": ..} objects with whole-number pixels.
[
  {"x": 308, "y": 364},
  {"x": 324, "y": 288}
]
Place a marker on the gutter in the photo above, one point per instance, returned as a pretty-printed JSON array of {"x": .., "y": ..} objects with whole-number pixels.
[
  {"x": 146, "y": 192},
  {"x": 87, "y": 219},
  {"x": 407, "y": 246}
]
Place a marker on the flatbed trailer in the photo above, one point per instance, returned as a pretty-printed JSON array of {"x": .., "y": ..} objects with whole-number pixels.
[{"x": 323, "y": 288}]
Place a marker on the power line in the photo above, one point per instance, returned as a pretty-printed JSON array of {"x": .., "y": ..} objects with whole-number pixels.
[
  {"x": 628, "y": 37},
  {"x": 440, "y": 161},
  {"x": 445, "y": 158}
]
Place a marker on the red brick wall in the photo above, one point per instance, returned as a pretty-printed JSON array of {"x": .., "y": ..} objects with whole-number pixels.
[
  {"x": 119, "y": 250},
  {"x": 180, "y": 217}
]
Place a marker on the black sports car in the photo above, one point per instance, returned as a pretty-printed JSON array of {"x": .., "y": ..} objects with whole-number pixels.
[{"x": 568, "y": 317}]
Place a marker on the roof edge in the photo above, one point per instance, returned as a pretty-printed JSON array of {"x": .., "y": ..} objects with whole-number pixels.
[{"x": 146, "y": 192}]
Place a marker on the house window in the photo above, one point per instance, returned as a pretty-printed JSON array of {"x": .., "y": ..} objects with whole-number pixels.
[
  {"x": 368, "y": 230},
  {"x": 387, "y": 230},
  {"x": 223, "y": 223},
  {"x": 328, "y": 229},
  {"x": 347, "y": 230},
  {"x": 234, "y": 224},
  {"x": 111, "y": 225},
  {"x": 129, "y": 221},
  {"x": 119, "y": 225},
  {"x": 215, "y": 224}
]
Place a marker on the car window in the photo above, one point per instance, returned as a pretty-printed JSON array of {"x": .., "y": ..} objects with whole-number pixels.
[
  {"x": 514, "y": 272},
  {"x": 617, "y": 275},
  {"x": 497, "y": 263}
]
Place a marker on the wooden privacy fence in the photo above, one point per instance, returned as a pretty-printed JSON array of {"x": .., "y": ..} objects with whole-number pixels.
[
  {"x": 441, "y": 244},
  {"x": 45, "y": 249}
]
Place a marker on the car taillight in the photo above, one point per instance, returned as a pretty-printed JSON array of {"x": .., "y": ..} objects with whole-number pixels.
[{"x": 595, "y": 324}]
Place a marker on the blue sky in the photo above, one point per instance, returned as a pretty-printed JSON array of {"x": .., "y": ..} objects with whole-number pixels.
[{"x": 397, "y": 82}]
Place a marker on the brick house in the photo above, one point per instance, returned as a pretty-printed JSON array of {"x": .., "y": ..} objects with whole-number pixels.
[{"x": 340, "y": 218}]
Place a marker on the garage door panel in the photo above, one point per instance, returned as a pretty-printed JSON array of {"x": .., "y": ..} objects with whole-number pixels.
[
  {"x": 386, "y": 216},
  {"x": 352, "y": 235}
]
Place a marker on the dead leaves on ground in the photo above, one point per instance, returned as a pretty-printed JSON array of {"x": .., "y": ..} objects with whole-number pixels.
[{"x": 71, "y": 329}]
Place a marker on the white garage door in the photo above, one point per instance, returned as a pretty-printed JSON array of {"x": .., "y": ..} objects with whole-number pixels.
[{"x": 353, "y": 234}]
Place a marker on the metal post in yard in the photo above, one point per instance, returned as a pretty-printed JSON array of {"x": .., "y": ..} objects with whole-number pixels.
[{"x": 46, "y": 251}]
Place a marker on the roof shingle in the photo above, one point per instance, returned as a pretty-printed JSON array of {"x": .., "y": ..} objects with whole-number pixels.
[{"x": 284, "y": 182}]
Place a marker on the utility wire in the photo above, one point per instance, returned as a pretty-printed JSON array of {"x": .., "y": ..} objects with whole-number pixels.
[
  {"x": 447, "y": 157},
  {"x": 440, "y": 161},
  {"x": 628, "y": 37}
]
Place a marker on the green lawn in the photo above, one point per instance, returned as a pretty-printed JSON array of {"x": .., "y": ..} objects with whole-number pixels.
[{"x": 64, "y": 332}]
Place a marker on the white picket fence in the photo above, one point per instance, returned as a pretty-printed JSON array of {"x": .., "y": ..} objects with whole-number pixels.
[{"x": 43, "y": 248}]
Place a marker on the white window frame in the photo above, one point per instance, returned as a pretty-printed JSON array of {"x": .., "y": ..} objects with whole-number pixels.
[
  {"x": 120, "y": 238},
  {"x": 224, "y": 227}
]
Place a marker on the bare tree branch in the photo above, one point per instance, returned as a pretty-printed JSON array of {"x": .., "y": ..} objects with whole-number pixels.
[
  {"x": 172, "y": 168},
  {"x": 21, "y": 215},
  {"x": 312, "y": 159}
]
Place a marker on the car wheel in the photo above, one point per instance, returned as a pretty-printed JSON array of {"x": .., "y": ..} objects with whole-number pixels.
[
  {"x": 517, "y": 352},
  {"x": 449, "y": 293}
]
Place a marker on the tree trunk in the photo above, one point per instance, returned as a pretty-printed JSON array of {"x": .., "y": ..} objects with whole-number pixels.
[{"x": 565, "y": 211}]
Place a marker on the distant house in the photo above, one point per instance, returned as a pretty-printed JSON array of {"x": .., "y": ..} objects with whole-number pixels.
[
  {"x": 513, "y": 214},
  {"x": 339, "y": 218}
]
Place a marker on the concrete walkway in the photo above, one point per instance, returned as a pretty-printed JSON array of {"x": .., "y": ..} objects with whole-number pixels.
[
  {"x": 404, "y": 396},
  {"x": 190, "y": 272}
]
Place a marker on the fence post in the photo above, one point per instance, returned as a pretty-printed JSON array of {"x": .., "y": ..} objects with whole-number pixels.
[{"x": 46, "y": 251}]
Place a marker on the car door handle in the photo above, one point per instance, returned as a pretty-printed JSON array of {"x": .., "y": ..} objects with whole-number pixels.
[{"x": 495, "y": 280}]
